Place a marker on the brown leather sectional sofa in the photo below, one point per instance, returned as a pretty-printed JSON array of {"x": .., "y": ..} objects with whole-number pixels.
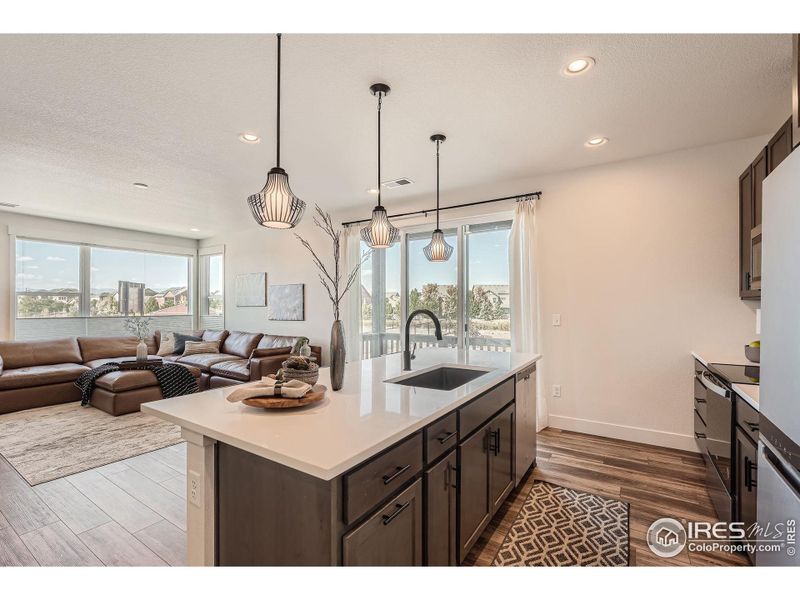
[{"x": 43, "y": 372}]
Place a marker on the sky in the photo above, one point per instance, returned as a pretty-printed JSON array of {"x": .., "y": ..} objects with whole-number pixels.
[
  {"x": 44, "y": 265},
  {"x": 488, "y": 262}
]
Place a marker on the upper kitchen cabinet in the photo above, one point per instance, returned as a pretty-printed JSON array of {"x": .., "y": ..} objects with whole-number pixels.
[{"x": 751, "y": 184}]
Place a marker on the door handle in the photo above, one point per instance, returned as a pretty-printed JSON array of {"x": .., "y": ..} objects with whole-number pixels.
[
  {"x": 400, "y": 508},
  {"x": 720, "y": 391},
  {"x": 387, "y": 479},
  {"x": 446, "y": 437},
  {"x": 749, "y": 466},
  {"x": 494, "y": 445}
]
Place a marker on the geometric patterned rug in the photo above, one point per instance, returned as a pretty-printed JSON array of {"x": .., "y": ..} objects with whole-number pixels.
[{"x": 558, "y": 526}]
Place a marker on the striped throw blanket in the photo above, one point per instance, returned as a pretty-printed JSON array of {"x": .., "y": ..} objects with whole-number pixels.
[{"x": 174, "y": 380}]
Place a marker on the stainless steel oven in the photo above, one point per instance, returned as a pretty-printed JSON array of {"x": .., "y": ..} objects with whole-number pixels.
[{"x": 713, "y": 432}]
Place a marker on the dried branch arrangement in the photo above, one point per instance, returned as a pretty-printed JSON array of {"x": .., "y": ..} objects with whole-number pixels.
[{"x": 333, "y": 284}]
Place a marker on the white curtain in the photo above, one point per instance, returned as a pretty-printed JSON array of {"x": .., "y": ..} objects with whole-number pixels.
[
  {"x": 524, "y": 292},
  {"x": 350, "y": 310}
]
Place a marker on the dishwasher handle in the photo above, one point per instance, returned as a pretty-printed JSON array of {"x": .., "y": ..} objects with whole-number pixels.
[{"x": 719, "y": 390}]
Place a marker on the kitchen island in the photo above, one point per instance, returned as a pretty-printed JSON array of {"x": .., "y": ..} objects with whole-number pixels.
[{"x": 377, "y": 473}]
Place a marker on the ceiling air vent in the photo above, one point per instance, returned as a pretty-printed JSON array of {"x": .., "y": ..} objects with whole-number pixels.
[
  {"x": 9, "y": 205},
  {"x": 396, "y": 183}
]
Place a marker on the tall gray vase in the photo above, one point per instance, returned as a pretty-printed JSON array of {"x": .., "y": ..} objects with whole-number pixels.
[{"x": 337, "y": 355}]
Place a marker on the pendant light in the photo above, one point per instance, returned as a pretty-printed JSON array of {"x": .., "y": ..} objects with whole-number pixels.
[
  {"x": 438, "y": 250},
  {"x": 380, "y": 233},
  {"x": 276, "y": 206}
]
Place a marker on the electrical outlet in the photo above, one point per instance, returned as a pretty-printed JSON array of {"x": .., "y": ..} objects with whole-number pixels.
[
  {"x": 556, "y": 320},
  {"x": 556, "y": 391},
  {"x": 195, "y": 482}
]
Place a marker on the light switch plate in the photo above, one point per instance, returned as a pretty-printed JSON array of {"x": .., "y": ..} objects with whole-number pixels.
[
  {"x": 556, "y": 390},
  {"x": 556, "y": 320}
]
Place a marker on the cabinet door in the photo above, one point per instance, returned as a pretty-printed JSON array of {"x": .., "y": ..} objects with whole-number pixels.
[
  {"x": 759, "y": 175},
  {"x": 745, "y": 220},
  {"x": 780, "y": 146},
  {"x": 473, "y": 490},
  {"x": 525, "y": 444},
  {"x": 440, "y": 513},
  {"x": 746, "y": 481},
  {"x": 392, "y": 537},
  {"x": 501, "y": 457}
]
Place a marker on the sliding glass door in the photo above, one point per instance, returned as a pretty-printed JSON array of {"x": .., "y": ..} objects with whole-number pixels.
[
  {"x": 488, "y": 319},
  {"x": 469, "y": 293},
  {"x": 434, "y": 286}
]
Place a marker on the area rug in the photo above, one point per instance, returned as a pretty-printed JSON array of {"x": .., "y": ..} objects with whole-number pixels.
[
  {"x": 558, "y": 526},
  {"x": 47, "y": 443}
]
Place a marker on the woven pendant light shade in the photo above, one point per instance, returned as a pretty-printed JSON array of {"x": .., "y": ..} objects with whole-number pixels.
[
  {"x": 438, "y": 250},
  {"x": 380, "y": 233},
  {"x": 276, "y": 206}
]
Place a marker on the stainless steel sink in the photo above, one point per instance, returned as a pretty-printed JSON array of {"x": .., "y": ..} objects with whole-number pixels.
[{"x": 441, "y": 378}]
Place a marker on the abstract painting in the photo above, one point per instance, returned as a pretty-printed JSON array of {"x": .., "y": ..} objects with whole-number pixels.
[
  {"x": 287, "y": 302},
  {"x": 251, "y": 289}
]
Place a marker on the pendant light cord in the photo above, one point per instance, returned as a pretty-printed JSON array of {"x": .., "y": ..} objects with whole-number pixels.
[
  {"x": 278, "y": 125},
  {"x": 437, "y": 183},
  {"x": 380, "y": 102}
]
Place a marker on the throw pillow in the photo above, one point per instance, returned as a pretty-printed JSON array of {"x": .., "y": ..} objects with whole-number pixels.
[
  {"x": 181, "y": 339},
  {"x": 167, "y": 344},
  {"x": 200, "y": 348}
]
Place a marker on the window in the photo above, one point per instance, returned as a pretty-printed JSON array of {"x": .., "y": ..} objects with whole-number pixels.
[
  {"x": 212, "y": 284},
  {"x": 125, "y": 282},
  {"x": 469, "y": 293},
  {"x": 47, "y": 279},
  {"x": 381, "y": 301},
  {"x": 433, "y": 285}
]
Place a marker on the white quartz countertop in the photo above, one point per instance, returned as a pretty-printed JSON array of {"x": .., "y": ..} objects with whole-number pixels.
[
  {"x": 363, "y": 418},
  {"x": 748, "y": 393},
  {"x": 724, "y": 358}
]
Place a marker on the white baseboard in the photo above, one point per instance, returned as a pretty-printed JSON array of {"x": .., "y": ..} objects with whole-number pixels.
[{"x": 655, "y": 437}]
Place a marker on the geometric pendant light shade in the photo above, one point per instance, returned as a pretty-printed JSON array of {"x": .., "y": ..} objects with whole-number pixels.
[
  {"x": 438, "y": 250},
  {"x": 380, "y": 233},
  {"x": 275, "y": 206}
]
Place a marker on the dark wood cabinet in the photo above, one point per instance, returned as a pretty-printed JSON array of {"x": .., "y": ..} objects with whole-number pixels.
[
  {"x": 751, "y": 198},
  {"x": 392, "y": 537},
  {"x": 486, "y": 476},
  {"x": 473, "y": 484},
  {"x": 746, "y": 481},
  {"x": 780, "y": 146},
  {"x": 501, "y": 457},
  {"x": 440, "y": 513}
]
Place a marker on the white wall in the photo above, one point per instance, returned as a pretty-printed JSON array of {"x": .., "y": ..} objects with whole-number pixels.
[
  {"x": 278, "y": 253},
  {"x": 640, "y": 258},
  {"x": 24, "y": 225}
]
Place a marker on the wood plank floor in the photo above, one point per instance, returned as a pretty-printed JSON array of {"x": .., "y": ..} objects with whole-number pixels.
[
  {"x": 656, "y": 482},
  {"x": 133, "y": 512}
]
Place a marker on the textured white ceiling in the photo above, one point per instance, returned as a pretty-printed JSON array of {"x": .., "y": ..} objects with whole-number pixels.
[{"x": 83, "y": 117}]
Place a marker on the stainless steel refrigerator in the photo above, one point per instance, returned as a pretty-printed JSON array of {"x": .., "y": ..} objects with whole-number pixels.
[{"x": 778, "y": 485}]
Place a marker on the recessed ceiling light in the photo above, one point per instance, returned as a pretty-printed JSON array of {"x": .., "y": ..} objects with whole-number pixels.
[
  {"x": 249, "y": 138},
  {"x": 193, "y": 229},
  {"x": 595, "y": 142},
  {"x": 141, "y": 186},
  {"x": 579, "y": 65}
]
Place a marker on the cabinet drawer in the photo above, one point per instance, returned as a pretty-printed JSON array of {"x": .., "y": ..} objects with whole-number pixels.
[
  {"x": 700, "y": 433},
  {"x": 477, "y": 412},
  {"x": 371, "y": 482},
  {"x": 440, "y": 437},
  {"x": 392, "y": 537},
  {"x": 747, "y": 418},
  {"x": 700, "y": 401}
]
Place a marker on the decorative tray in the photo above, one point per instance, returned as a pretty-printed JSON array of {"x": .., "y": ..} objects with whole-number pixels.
[{"x": 317, "y": 394}]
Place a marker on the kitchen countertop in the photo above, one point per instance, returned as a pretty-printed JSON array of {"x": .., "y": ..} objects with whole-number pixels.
[
  {"x": 748, "y": 392},
  {"x": 363, "y": 418},
  {"x": 727, "y": 358}
]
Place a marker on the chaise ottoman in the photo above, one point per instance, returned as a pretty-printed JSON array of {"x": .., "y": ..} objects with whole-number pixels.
[{"x": 123, "y": 392}]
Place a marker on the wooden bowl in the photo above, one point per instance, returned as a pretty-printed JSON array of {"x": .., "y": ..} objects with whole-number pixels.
[{"x": 316, "y": 394}]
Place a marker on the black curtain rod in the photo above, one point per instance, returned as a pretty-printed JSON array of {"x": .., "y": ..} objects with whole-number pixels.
[{"x": 464, "y": 205}]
